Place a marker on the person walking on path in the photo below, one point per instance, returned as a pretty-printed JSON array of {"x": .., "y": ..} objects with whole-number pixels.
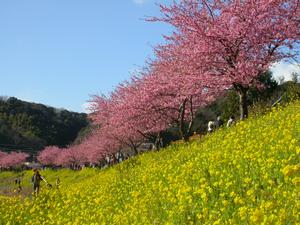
[{"x": 36, "y": 181}]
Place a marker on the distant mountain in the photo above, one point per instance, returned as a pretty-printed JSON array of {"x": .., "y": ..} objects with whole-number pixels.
[{"x": 29, "y": 126}]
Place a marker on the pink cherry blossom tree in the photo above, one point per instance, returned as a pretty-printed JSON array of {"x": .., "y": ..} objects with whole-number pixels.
[
  {"x": 162, "y": 96},
  {"x": 2, "y": 158},
  {"x": 236, "y": 40},
  {"x": 49, "y": 155},
  {"x": 12, "y": 159}
]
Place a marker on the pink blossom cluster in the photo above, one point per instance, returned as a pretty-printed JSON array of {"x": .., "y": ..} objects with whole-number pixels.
[
  {"x": 12, "y": 159},
  {"x": 236, "y": 41},
  {"x": 92, "y": 150},
  {"x": 216, "y": 45}
]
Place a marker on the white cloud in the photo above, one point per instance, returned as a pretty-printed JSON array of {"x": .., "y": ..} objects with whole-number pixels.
[
  {"x": 285, "y": 70},
  {"x": 85, "y": 107},
  {"x": 140, "y": 2}
]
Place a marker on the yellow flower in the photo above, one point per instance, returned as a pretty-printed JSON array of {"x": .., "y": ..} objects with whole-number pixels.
[
  {"x": 243, "y": 211},
  {"x": 291, "y": 170},
  {"x": 257, "y": 216},
  {"x": 296, "y": 181}
]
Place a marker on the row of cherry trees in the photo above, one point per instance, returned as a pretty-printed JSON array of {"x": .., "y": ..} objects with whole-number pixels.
[
  {"x": 216, "y": 45},
  {"x": 12, "y": 159}
]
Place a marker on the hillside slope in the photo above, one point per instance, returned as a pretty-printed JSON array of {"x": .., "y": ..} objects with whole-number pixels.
[
  {"x": 29, "y": 126},
  {"x": 246, "y": 174}
]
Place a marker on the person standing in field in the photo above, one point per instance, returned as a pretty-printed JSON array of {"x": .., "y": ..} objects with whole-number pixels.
[
  {"x": 57, "y": 183},
  {"x": 230, "y": 121},
  {"x": 210, "y": 126},
  {"x": 219, "y": 122},
  {"x": 36, "y": 181},
  {"x": 18, "y": 184}
]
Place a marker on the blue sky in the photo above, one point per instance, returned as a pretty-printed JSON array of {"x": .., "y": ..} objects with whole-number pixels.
[{"x": 58, "y": 52}]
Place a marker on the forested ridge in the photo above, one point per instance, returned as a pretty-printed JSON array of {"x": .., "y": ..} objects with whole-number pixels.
[{"x": 30, "y": 127}]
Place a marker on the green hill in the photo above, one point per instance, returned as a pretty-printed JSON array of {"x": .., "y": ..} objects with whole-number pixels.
[
  {"x": 29, "y": 126},
  {"x": 246, "y": 174}
]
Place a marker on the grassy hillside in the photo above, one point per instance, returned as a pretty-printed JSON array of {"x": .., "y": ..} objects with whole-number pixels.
[{"x": 247, "y": 174}]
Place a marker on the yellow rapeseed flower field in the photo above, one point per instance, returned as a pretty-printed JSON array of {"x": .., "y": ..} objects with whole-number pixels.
[{"x": 246, "y": 174}]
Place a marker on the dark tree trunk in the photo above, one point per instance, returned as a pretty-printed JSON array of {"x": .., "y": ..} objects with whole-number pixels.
[
  {"x": 134, "y": 148},
  {"x": 188, "y": 133},
  {"x": 186, "y": 138},
  {"x": 181, "y": 122},
  {"x": 185, "y": 133},
  {"x": 158, "y": 142},
  {"x": 243, "y": 103}
]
